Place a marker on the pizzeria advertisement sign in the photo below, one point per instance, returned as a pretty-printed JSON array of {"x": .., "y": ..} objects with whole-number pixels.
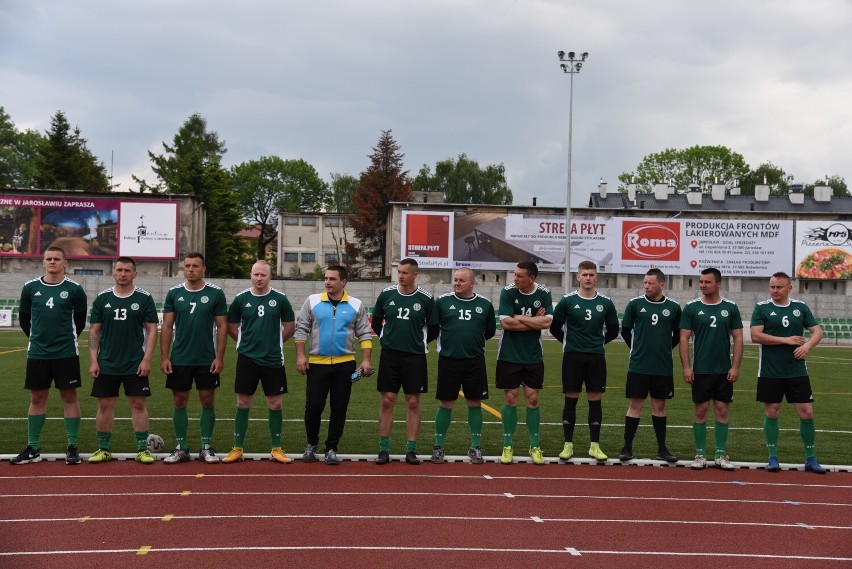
[
  {"x": 823, "y": 250},
  {"x": 88, "y": 228}
]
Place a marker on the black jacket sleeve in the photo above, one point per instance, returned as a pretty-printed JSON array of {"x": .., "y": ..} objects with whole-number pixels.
[{"x": 25, "y": 320}]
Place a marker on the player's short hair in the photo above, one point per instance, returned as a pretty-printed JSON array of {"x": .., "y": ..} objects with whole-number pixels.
[
  {"x": 782, "y": 275},
  {"x": 530, "y": 267},
  {"x": 717, "y": 274},
  {"x": 59, "y": 250},
  {"x": 195, "y": 255},
  {"x": 587, "y": 266},
  {"x": 470, "y": 273},
  {"x": 656, "y": 273},
  {"x": 342, "y": 273},
  {"x": 409, "y": 261},
  {"x": 125, "y": 260}
]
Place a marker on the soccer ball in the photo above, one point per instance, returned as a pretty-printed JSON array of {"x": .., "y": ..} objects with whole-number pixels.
[{"x": 155, "y": 443}]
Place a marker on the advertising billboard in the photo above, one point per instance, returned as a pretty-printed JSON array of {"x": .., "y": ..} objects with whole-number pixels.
[{"x": 823, "y": 250}]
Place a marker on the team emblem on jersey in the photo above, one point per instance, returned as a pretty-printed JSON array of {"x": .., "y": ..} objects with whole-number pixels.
[
  {"x": 537, "y": 303},
  {"x": 724, "y": 313},
  {"x": 797, "y": 313},
  {"x": 599, "y": 308},
  {"x": 416, "y": 306},
  {"x": 134, "y": 306},
  {"x": 64, "y": 294},
  {"x": 272, "y": 303},
  {"x": 479, "y": 310},
  {"x": 204, "y": 299},
  {"x": 666, "y": 312}
]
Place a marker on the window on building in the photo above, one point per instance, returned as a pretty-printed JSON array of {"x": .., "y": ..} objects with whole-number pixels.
[
  {"x": 331, "y": 258},
  {"x": 309, "y": 257},
  {"x": 310, "y": 221},
  {"x": 332, "y": 222},
  {"x": 291, "y": 220},
  {"x": 291, "y": 257}
]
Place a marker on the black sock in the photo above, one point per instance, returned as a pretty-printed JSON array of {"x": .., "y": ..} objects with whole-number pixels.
[
  {"x": 569, "y": 418},
  {"x": 630, "y": 426},
  {"x": 659, "y": 430},
  {"x": 595, "y": 420}
]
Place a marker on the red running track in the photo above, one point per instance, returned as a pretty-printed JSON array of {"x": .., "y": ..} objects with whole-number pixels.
[{"x": 256, "y": 513}]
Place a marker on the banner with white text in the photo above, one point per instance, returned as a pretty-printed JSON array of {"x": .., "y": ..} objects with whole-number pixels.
[{"x": 823, "y": 250}]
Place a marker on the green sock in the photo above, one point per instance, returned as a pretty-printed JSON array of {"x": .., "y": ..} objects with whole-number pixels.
[
  {"x": 384, "y": 444},
  {"x": 510, "y": 423},
  {"x": 208, "y": 420},
  {"x": 72, "y": 428},
  {"x": 180, "y": 420},
  {"x": 241, "y": 421},
  {"x": 35, "y": 424},
  {"x": 443, "y": 417},
  {"x": 410, "y": 446},
  {"x": 474, "y": 425},
  {"x": 807, "y": 430},
  {"x": 699, "y": 434},
  {"x": 276, "y": 420},
  {"x": 533, "y": 418},
  {"x": 720, "y": 433},
  {"x": 103, "y": 440},
  {"x": 141, "y": 440},
  {"x": 770, "y": 433}
]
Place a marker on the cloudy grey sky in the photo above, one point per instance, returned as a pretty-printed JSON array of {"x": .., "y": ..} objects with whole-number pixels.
[{"x": 320, "y": 80}]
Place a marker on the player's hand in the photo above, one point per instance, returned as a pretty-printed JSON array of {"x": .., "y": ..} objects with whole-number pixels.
[
  {"x": 366, "y": 367},
  {"x": 801, "y": 352},
  {"x": 144, "y": 368},
  {"x": 217, "y": 365},
  {"x": 166, "y": 366},
  {"x": 796, "y": 340},
  {"x": 301, "y": 364},
  {"x": 733, "y": 374},
  {"x": 541, "y": 311},
  {"x": 688, "y": 375},
  {"x": 94, "y": 370}
]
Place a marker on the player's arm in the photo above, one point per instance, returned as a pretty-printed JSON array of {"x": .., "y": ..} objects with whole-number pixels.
[
  {"x": 490, "y": 323},
  {"x": 801, "y": 352},
  {"x": 80, "y": 321},
  {"x": 287, "y": 330},
  {"x": 377, "y": 321},
  {"x": 304, "y": 323},
  {"x": 558, "y": 321},
  {"x": 25, "y": 319},
  {"x": 676, "y": 328},
  {"x": 627, "y": 326},
  {"x": 94, "y": 348},
  {"x": 758, "y": 336},
  {"x": 167, "y": 332},
  {"x": 361, "y": 327},
  {"x": 734, "y": 372},
  {"x": 234, "y": 330},
  {"x": 221, "y": 341},
  {"x": 688, "y": 375},
  {"x": 150, "y": 346}
]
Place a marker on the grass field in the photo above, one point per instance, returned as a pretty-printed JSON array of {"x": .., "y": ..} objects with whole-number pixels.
[{"x": 829, "y": 368}]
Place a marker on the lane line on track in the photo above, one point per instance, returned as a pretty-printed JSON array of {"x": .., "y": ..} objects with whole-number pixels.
[
  {"x": 566, "y": 550},
  {"x": 438, "y": 494}
]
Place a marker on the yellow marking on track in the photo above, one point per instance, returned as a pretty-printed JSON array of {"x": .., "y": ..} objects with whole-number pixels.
[
  {"x": 143, "y": 550},
  {"x": 84, "y": 518},
  {"x": 13, "y": 351},
  {"x": 491, "y": 410},
  {"x": 168, "y": 517},
  {"x": 199, "y": 475},
  {"x": 186, "y": 493}
]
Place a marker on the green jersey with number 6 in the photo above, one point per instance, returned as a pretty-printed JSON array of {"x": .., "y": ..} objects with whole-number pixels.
[
  {"x": 52, "y": 306},
  {"x": 195, "y": 318},
  {"x": 782, "y": 321},
  {"x": 711, "y": 326},
  {"x": 405, "y": 317},
  {"x": 653, "y": 325},
  {"x": 464, "y": 323},
  {"x": 260, "y": 319},
  {"x": 122, "y": 320},
  {"x": 522, "y": 347}
]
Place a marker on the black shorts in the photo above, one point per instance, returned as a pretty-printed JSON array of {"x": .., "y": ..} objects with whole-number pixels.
[
  {"x": 774, "y": 389},
  {"x": 250, "y": 373},
  {"x": 511, "y": 375},
  {"x": 63, "y": 372},
  {"x": 468, "y": 375},
  {"x": 715, "y": 386},
  {"x": 400, "y": 369},
  {"x": 579, "y": 368},
  {"x": 106, "y": 385},
  {"x": 640, "y": 385},
  {"x": 182, "y": 377}
]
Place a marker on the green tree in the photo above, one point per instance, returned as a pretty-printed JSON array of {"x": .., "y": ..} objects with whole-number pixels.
[
  {"x": 835, "y": 182},
  {"x": 192, "y": 165},
  {"x": 270, "y": 184},
  {"x": 340, "y": 198},
  {"x": 767, "y": 173},
  {"x": 383, "y": 182},
  {"x": 463, "y": 181},
  {"x": 704, "y": 165},
  {"x": 18, "y": 154},
  {"x": 65, "y": 161}
]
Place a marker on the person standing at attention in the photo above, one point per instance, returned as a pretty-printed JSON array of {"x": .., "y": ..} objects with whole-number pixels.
[
  {"x": 260, "y": 319},
  {"x": 52, "y": 315},
  {"x": 651, "y": 330},
  {"x": 122, "y": 340},
  {"x": 526, "y": 308},
  {"x": 579, "y": 320},
  {"x": 400, "y": 319},
  {"x": 711, "y": 321},
  {"x": 195, "y": 315},
  {"x": 778, "y": 325}
]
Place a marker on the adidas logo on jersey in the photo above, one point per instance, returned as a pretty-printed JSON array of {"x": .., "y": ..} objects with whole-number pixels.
[
  {"x": 701, "y": 313},
  {"x": 107, "y": 305},
  {"x": 37, "y": 293},
  {"x": 773, "y": 313},
  {"x": 392, "y": 303},
  {"x": 180, "y": 299},
  {"x": 576, "y": 306},
  {"x": 643, "y": 310},
  {"x": 248, "y": 304},
  {"x": 452, "y": 307}
]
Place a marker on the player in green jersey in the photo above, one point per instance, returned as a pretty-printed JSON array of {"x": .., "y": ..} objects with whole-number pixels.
[
  {"x": 53, "y": 313},
  {"x": 260, "y": 319},
  {"x": 711, "y": 322},
  {"x": 579, "y": 320},
  {"x": 195, "y": 315},
  {"x": 651, "y": 330},
  {"x": 778, "y": 325},
  {"x": 401, "y": 319},
  {"x": 526, "y": 308},
  {"x": 122, "y": 339},
  {"x": 466, "y": 321}
]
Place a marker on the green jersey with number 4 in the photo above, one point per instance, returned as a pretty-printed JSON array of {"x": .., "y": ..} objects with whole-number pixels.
[{"x": 52, "y": 306}]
